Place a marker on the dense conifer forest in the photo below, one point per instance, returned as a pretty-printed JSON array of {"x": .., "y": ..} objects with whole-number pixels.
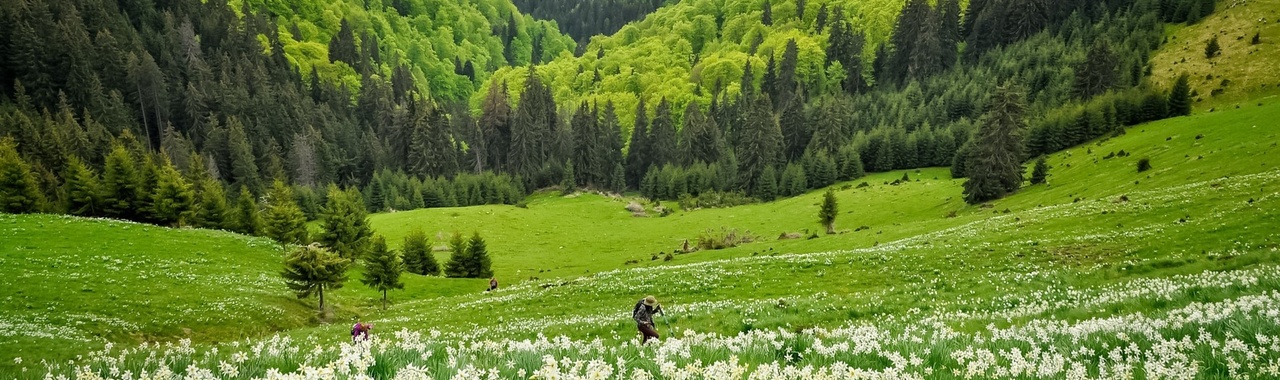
[{"x": 184, "y": 112}]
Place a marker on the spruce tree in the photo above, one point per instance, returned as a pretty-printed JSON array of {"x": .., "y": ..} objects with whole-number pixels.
[
  {"x": 828, "y": 212},
  {"x": 212, "y": 205},
  {"x": 662, "y": 136},
  {"x": 1099, "y": 72},
  {"x": 173, "y": 201},
  {"x": 760, "y": 147},
  {"x": 121, "y": 183},
  {"x": 417, "y": 254},
  {"x": 638, "y": 156},
  {"x": 283, "y": 219},
  {"x": 382, "y": 268},
  {"x": 457, "y": 267},
  {"x": 1212, "y": 49},
  {"x": 1180, "y": 97},
  {"x": 766, "y": 187},
  {"x": 345, "y": 223},
  {"x": 994, "y": 167},
  {"x": 19, "y": 191},
  {"x": 312, "y": 270},
  {"x": 1041, "y": 171},
  {"x": 84, "y": 190},
  {"x": 245, "y": 217},
  {"x": 244, "y": 167},
  {"x": 478, "y": 262}
]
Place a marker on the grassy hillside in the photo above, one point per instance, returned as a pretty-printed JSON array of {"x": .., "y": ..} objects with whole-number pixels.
[
  {"x": 1100, "y": 245},
  {"x": 1242, "y": 71},
  {"x": 73, "y": 284},
  {"x": 1102, "y": 257}
]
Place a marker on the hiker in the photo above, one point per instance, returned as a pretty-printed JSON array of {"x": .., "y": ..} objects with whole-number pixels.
[
  {"x": 360, "y": 332},
  {"x": 493, "y": 284},
  {"x": 643, "y": 314}
]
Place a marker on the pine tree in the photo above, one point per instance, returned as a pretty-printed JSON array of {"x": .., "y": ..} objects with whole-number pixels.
[
  {"x": 382, "y": 268},
  {"x": 638, "y": 155},
  {"x": 828, "y": 212},
  {"x": 586, "y": 139},
  {"x": 173, "y": 201},
  {"x": 457, "y": 267},
  {"x": 19, "y": 191},
  {"x": 994, "y": 166},
  {"x": 662, "y": 137},
  {"x": 312, "y": 270},
  {"x": 121, "y": 183},
  {"x": 345, "y": 223},
  {"x": 1180, "y": 97},
  {"x": 767, "y": 17},
  {"x": 244, "y": 167},
  {"x": 569, "y": 181},
  {"x": 700, "y": 138},
  {"x": 245, "y": 218},
  {"x": 1099, "y": 72},
  {"x": 495, "y": 125},
  {"x": 84, "y": 190},
  {"x": 283, "y": 219},
  {"x": 479, "y": 264},
  {"x": 760, "y": 147},
  {"x": 1041, "y": 171},
  {"x": 417, "y": 254},
  {"x": 532, "y": 128},
  {"x": 1212, "y": 49},
  {"x": 212, "y": 205},
  {"x": 766, "y": 187}
]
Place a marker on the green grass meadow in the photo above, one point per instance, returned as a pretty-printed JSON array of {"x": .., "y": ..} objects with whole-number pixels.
[{"x": 1209, "y": 204}]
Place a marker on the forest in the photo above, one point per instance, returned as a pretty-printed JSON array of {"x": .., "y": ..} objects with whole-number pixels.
[{"x": 178, "y": 111}]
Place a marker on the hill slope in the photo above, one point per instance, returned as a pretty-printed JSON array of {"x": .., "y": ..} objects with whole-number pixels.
[
  {"x": 1111, "y": 256},
  {"x": 1242, "y": 71}
]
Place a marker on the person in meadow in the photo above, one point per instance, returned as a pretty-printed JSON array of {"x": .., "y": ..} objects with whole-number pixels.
[
  {"x": 493, "y": 284},
  {"x": 643, "y": 314},
  {"x": 360, "y": 332}
]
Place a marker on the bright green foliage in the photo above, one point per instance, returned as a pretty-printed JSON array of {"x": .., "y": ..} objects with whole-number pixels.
[
  {"x": 282, "y": 219},
  {"x": 84, "y": 189},
  {"x": 994, "y": 167},
  {"x": 245, "y": 217},
  {"x": 1040, "y": 172},
  {"x": 429, "y": 37},
  {"x": 1180, "y": 96},
  {"x": 121, "y": 185},
  {"x": 173, "y": 200},
  {"x": 312, "y": 270},
  {"x": 19, "y": 191},
  {"x": 382, "y": 268},
  {"x": 345, "y": 223},
  {"x": 212, "y": 212},
  {"x": 417, "y": 254},
  {"x": 459, "y": 261},
  {"x": 829, "y": 210}
]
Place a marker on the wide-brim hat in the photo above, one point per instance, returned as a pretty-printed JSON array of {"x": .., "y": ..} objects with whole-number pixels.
[{"x": 650, "y": 301}]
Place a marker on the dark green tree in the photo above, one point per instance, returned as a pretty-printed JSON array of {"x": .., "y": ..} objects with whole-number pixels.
[
  {"x": 1041, "y": 171},
  {"x": 417, "y": 254},
  {"x": 760, "y": 147},
  {"x": 638, "y": 157},
  {"x": 245, "y": 218},
  {"x": 479, "y": 264},
  {"x": 459, "y": 259},
  {"x": 828, "y": 212},
  {"x": 345, "y": 223},
  {"x": 766, "y": 185},
  {"x": 994, "y": 166},
  {"x": 382, "y": 268},
  {"x": 1212, "y": 49},
  {"x": 121, "y": 185},
  {"x": 662, "y": 145},
  {"x": 312, "y": 270},
  {"x": 84, "y": 189},
  {"x": 173, "y": 201},
  {"x": 700, "y": 138},
  {"x": 1099, "y": 72},
  {"x": 212, "y": 205},
  {"x": 1180, "y": 96},
  {"x": 283, "y": 219},
  {"x": 19, "y": 191}
]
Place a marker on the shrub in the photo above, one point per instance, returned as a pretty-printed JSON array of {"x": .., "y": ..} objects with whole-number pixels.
[
  {"x": 723, "y": 238},
  {"x": 1144, "y": 165},
  {"x": 1212, "y": 49}
]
